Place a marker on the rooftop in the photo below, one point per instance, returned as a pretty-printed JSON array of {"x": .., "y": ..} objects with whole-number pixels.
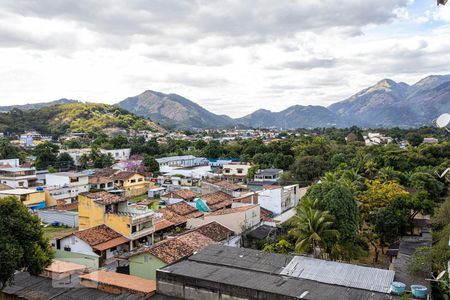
[
  {"x": 173, "y": 158},
  {"x": 217, "y": 199},
  {"x": 215, "y": 231},
  {"x": 128, "y": 282},
  {"x": 232, "y": 210},
  {"x": 184, "y": 194},
  {"x": 184, "y": 209},
  {"x": 19, "y": 191},
  {"x": 59, "y": 266},
  {"x": 70, "y": 174},
  {"x": 172, "y": 216},
  {"x": 99, "y": 179},
  {"x": 227, "y": 185},
  {"x": 97, "y": 235},
  {"x": 124, "y": 175},
  {"x": 269, "y": 172},
  {"x": 104, "y": 198}
]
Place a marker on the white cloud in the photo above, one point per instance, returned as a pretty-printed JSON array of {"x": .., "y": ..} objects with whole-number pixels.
[{"x": 230, "y": 56}]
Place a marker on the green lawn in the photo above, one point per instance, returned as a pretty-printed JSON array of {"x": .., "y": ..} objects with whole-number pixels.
[
  {"x": 137, "y": 198},
  {"x": 51, "y": 232}
]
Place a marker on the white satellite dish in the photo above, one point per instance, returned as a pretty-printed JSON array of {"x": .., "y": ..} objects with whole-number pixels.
[{"x": 443, "y": 121}]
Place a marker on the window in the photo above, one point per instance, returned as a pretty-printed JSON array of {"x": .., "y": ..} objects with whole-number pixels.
[
  {"x": 20, "y": 183},
  {"x": 227, "y": 170},
  {"x": 132, "y": 180},
  {"x": 140, "y": 179},
  {"x": 240, "y": 171}
]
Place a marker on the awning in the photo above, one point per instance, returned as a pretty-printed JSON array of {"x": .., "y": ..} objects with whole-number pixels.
[{"x": 111, "y": 243}]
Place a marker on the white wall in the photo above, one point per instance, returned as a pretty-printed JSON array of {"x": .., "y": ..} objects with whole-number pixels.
[
  {"x": 55, "y": 180},
  {"x": 14, "y": 162},
  {"x": 76, "y": 245},
  {"x": 271, "y": 200}
]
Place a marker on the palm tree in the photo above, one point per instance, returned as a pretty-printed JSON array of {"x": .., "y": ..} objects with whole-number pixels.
[
  {"x": 312, "y": 228},
  {"x": 331, "y": 177}
]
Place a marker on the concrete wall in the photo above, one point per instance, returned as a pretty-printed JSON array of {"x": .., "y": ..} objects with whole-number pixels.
[
  {"x": 271, "y": 200},
  {"x": 82, "y": 259},
  {"x": 67, "y": 218},
  {"x": 76, "y": 245},
  {"x": 145, "y": 265},
  {"x": 90, "y": 214}
]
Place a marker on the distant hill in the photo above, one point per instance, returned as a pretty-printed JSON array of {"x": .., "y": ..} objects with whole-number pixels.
[
  {"x": 31, "y": 106},
  {"x": 389, "y": 104},
  {"x": 73, "y": 117},
  {"x": 174, "y": 111},
  {"x": 296, "y": 116}
]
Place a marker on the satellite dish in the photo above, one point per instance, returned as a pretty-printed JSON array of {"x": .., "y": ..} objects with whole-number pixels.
[{"x": 443, "y": 120}]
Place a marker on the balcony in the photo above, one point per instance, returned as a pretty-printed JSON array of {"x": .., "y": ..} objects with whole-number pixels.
[{"x": 143, "y": 232}]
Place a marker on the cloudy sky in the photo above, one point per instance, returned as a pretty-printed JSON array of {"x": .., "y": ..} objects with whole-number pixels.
[{"x": 230, "y": 56}]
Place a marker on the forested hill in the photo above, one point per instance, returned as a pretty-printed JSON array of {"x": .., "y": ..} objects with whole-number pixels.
[{"x": 73, "y": 117}]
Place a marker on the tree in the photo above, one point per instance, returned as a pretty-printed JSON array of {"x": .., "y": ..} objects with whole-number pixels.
[
  {"x": 414, "y": 139},
  {"x": 46, "y": 154},
  {"x": 379, "y": 194},
  {"x": 151, "y": 164},
  {"x": 427, "y": 182},
  {"x": 7, "y": 150},
  {"x": 312, "y": 228},
  {"x": 22, "y": 243},
  {"x": 308, "y": 168},
  {"x": 64, "y": 161}
]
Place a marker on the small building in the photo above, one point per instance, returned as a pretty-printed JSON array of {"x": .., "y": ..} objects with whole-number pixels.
[
  {"x": 63, "y": 217},
  {"x": 238, "y": 219},
  {"x": 156, "y": 192},
  {"x": 9, "y": 163},
  {"x": 184, "y": 210},
  {"x": 118, "y": 154},
  {"x": 101, "y": 183},
  {"x": 135, "y": 222},
  {"x": 221, "y": 272},
  {"x": 146, "y": 261},
  {"x": 133, "y": 183},
  {"x": 32, "y": 198},
  {"x": 268, "y": 175},
  {"x": 100, "y": 241},
  {"x": 180, "y": 161},
  {"x": 235, "y": 172},
  {"x": 66, "y": 185},
  {"x": 231, "y": 189},
  {"x": 18, "y": 177},
  {"x": 279, "y": 199},
  {"x": 180, "y": 195},
  {"x": 217, "y": 200}
]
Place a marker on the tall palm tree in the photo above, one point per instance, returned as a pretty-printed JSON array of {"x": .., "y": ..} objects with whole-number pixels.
[{"x": 312, "y": 228}]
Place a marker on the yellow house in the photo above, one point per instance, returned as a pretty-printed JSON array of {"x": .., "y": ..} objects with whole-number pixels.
[
  {"x": 133, "y": 183},
  {"x": 132, "y": 221},
  {"x": 32, "y": 198}
]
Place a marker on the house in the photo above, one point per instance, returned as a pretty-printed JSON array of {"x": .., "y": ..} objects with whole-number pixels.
[
  {"x": 146, "y": 261},
  {"x": 268, "y": 175},
  {"x": 221, "y": 272},
  {"x": 156, "y": 192},
  {"x": 117, "y": 154},
  {"x": 76, "y": 154},
  {"x": 133, "y": 183},
  {"x": 279, "y": 199},
  {"x": 430, "y": 140},
  {"x": 180, "y": 161},
  {"x": 217, "y": 200},
  {"x": 179, "y": 195},
  {"x": 98, "y": 241},
  {"x": 231, "y": 189},
  {"x": 101, "y": 183},
  {"x": 235, "y": 172},
  {"x": 17, "y": 177},
  {"x": 132, "y": 221},
  {"x": 238, "y": 218},
  {"x": 32, "y": 198},
  {"x": 66, "y": 186},
  {"x": 9, "y": 163}
]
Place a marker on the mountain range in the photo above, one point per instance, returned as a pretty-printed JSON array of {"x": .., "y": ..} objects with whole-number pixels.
[{"x": 385, "y": 104}]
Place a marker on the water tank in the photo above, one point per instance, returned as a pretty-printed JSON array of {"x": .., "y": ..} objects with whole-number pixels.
[
  {"x": 397, "y": 288},
  {"x": 419, "y": 291},
  {"x": 40, "y": 189}
]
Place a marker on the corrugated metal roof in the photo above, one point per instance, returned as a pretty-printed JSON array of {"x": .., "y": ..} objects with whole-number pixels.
[{"x": 342, "y": 274}]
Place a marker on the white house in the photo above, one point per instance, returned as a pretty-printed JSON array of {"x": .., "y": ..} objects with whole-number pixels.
[
  {"x": 278, "y": 199},
  {"x": 66, "y": 185},
  {"x": 235, "y": 172},
  {"x": 9, "y": 163},
  {"x": 118, "y": 154},
  {"x": 18, "y": 177},
  {"x": 181, "y": 161}
]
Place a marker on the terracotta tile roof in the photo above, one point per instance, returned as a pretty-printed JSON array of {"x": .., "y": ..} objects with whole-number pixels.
[
  {"x": 107, "y": 172},
  {"x": 185, "y": 210},
  {"x": 59, "y": 266},
  {"x": 127, "y": 282},
  {"x": 172, "y": 250},
  {"x": 217, "y": 200},
  {"x": 124, "y": 175},
  {"x": 104, "y": 197},
  {"x": 232, "y": 210},
  {"x": 98, "y": 179},
  {"x": 266, "y": 215},
  {"x": 111, "y": 243},
  {"x": 185, "y": 194},
  {"x": 163, "y": 224},
  {"x": 215, "y": 231},
  {"x": 172, "y": 217},
  {"x": 97, "y": 235},
  {"x": 228, "y": 185}
]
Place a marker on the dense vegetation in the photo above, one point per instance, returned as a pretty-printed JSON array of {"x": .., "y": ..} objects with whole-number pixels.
[{"x": 72, "y": 117}]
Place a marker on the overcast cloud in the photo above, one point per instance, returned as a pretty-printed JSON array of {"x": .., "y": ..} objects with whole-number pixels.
[{"x": 230, "y": 56}]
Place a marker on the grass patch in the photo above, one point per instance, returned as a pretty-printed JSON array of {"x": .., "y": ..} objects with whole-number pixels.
[
  {"x": 52, "y": 232},
  {"x": 137, "y": 198}
]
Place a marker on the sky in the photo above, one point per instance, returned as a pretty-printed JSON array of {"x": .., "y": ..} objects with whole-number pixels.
[{"x": 230, "y": 56}]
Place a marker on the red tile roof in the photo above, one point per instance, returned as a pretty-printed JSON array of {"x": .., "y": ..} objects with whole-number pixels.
[
  {"x": 104, "y": 197},
  {"x": 185, "y": 194},
  {"x": 184, "y": 209},
  {"x": 232, "y": 210},
  {"x": 228, "y": 185},
  {"x": 172, "y": 217},
  {"x": 97, "y": 235},
  {"x": 124, "y": 175},
  {"x": 163, "y": 224},
  {"x": 217, "y": 200},
  {"x": 215, "y": 231},
  {"x": 98, "y": 179}
]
